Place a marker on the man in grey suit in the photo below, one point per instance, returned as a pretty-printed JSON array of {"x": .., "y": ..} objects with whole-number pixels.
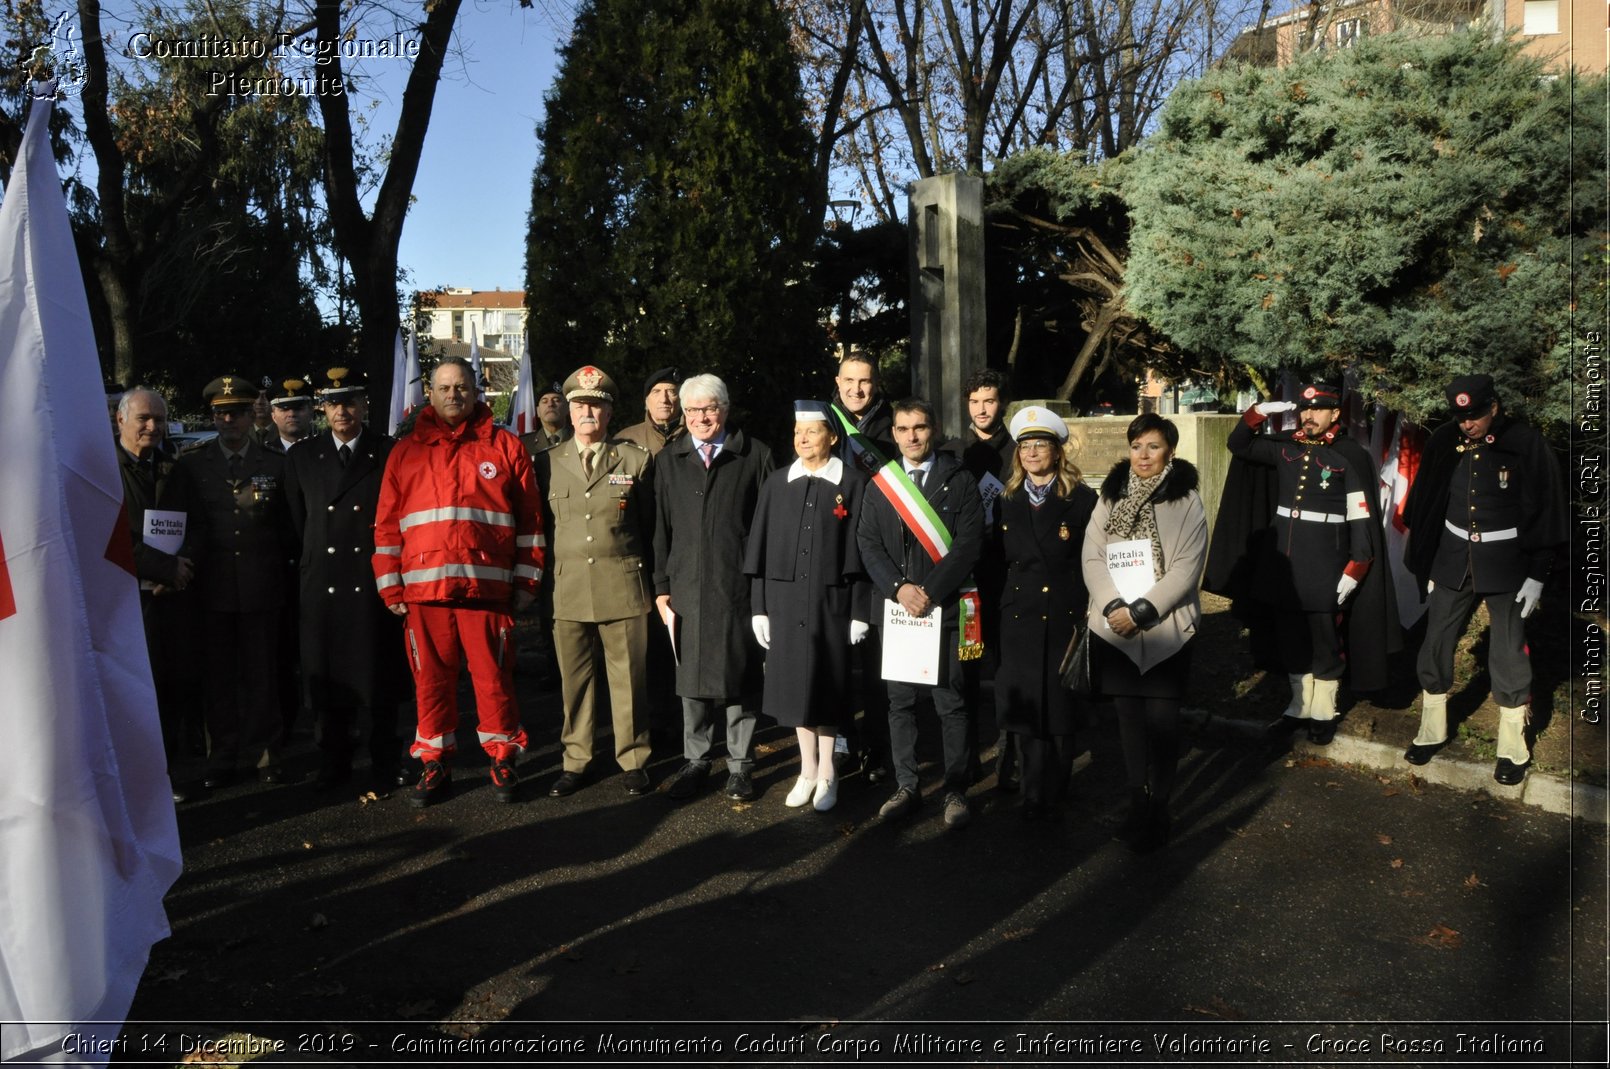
[{"x": 600, "y": 518}]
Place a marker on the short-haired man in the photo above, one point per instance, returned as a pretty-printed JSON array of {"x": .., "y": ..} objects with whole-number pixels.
[
  {"x": 922, "y": 581},
  {"x": 458, "y": 550},
  {"x": 855, "y": 391},
  {"x": 985, "y": 449},
  {"x": 156, "y": 492},
  {"x": 856, "y": 395},
  {"x": 1486, "y": 516},
  {"x": 662, "y": 413},
  {"x": 553, "y": 420},
  {"x": 706, "y": 487},
  {"x": 248, "y": 548},
  {"x": 291, "y": 408},
  {"x": 600, "y": 522},
  {"x": 1326, "y": 541},
  {"x": 351, "y": 647}
]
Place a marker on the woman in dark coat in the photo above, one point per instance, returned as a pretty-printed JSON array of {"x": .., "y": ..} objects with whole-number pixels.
[
  {"x": 809, "y": 597},
  {"x": 1042, "y": 517}
]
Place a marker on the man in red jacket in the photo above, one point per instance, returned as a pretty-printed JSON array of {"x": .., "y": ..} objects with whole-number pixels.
[{"x": 458, "y": 545}]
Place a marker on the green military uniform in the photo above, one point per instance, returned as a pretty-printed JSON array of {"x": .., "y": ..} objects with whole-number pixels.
[{"x": 600, "y": 528}]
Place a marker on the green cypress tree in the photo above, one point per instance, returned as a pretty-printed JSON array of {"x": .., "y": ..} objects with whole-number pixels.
[
  {"x": 668, "y": 211},
  {"x": 1407, "y": 206}
]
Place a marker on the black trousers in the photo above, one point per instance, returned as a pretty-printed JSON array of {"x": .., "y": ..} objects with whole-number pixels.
[
  {"x": 951, "y": 709},
  {"x": 1447, "y": 613},
  {"x": 1310, "y": 643}
]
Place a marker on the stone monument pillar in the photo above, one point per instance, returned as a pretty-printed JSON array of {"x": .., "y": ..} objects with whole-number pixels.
[{"x": 946, "y": 224}]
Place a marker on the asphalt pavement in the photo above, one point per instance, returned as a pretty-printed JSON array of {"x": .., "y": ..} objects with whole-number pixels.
[{"x": 1303, "y": 913}]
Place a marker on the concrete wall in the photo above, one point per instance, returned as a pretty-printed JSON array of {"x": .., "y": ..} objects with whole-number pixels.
[{"x": 1101, "y": 442}]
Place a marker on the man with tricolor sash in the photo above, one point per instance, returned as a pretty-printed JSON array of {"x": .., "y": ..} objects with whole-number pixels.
[{"x": 920, "y": 536}]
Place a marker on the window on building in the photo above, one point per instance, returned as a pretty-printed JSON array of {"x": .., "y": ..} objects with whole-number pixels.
[
  {"x": 1540, "y": 17},
  {"x": 511, "y": 322},
  {"x": 1348, "y": 31},
  {"x": 458, "y": 326}
]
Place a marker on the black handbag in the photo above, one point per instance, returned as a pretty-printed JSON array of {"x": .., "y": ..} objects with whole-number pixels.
[{"x": 1075, "y": 668}]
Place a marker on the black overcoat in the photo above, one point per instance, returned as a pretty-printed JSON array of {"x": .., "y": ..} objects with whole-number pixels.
[
  {"x": 806, "y": 578},
  {"x": 1507, "y": 481},
  {"x": 351, "y": 645},
  {"x": 893, "y": 555},
  {"x": 1248, "y": 562},
  {"x": 701, "y": 532},
  {"x": 1044, "y": 597}
]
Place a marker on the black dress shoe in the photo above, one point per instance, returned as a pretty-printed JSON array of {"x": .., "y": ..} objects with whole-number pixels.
[
  {"x": 876, "y": 775},
  {"x": 688, "y": 782},
  {"x": 740, "y": 788},
  {"x": 1321, "y": 732},
  {"x": 271, "y": 774},
  {"x": 566, "y": 785},
  {"x": 406, "y": 775},
  {"x": 1420, "y": 753},
  {"x": 637, "y": 782},
  {"x": 218, "y": 778},
  {"x": 1508, "y": 772},
  {"x": 181, "y": 794}
]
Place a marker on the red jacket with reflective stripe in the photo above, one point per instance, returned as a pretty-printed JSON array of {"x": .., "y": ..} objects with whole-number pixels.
[{"x": 459, "y": 517}]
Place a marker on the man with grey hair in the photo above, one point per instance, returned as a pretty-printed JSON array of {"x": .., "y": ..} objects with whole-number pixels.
[
  {"x": 157, "y": 496},
  {"x": 706, "y": 486}
]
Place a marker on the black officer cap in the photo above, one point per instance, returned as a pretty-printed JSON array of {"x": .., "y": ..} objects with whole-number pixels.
[
  {"x": 1320, "y": 395},
  {"x": 291, "y": 390},
  {"x": 552, "y": 387},
  {"x": 338, "y": 382},
  {"x": 1471, "y": 396}
]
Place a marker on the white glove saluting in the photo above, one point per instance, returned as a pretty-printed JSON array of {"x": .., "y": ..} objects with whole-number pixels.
[
  {"x": 762, "y": 626},
  {"x": 1531, "y": 593},
  {"x": 1272, "y": 408},
  {"x": 858, "y": 632},
  {"x": 1345, "y": 588}
]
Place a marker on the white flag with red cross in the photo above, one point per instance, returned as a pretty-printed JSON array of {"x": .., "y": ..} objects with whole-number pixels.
[{"x": 87, "y": 829}]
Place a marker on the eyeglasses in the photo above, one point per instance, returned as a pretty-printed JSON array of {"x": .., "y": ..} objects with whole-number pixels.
[
  {"x": 1038, "y": 445},
  {"x": 707, "y": 410}
]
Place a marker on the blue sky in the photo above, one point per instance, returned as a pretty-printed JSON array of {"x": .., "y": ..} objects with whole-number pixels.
[{"x": 467, "y": 225}]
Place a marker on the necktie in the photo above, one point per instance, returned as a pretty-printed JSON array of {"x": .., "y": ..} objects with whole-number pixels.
[
  {"x": 708, "y": 451},
  {"x": 234, "y": 466},
  {"x": 916, "y": 477},
  {"x": 344, "y": 454},
  {"x": 587, "y": 461}
]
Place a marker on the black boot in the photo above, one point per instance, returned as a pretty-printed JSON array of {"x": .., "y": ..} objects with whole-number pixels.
[{"x": 1138, "y": 819}]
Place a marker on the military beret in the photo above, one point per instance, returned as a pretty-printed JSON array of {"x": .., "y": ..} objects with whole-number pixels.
[
  {"x": 589, "y": 384},
  {"x": 1471, "y": 396},
  {"x": 227, "y": 391},
  {"x": 665, "y": 374},
  {"x": 552, "y": 387}
]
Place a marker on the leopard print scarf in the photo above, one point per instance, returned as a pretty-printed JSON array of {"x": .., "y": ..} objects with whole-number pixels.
[{"x": 1134, "y": 516}]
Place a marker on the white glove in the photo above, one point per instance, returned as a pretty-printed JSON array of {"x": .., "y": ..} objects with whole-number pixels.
[
  {"x": 1531, "y": 593},
  {"x": 1430, "y": 586},
  {"x": 762, "y": 626},
  {"x": 858, "y": 632},
  {"x": 1345, "y": 588},
  {"x": 1272, "y": 408}
]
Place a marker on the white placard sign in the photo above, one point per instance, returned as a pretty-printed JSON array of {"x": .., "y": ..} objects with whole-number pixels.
[
  {"x": 164, "y": 530},
  {"x": 1130, "y": 566},
  {"x": 910, "y": 645}
]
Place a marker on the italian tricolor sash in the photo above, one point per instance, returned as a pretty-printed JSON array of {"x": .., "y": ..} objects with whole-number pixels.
[{"x": 890, "y": 477}]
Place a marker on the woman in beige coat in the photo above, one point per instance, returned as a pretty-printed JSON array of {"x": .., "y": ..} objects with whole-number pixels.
[{"x": 1144, "y": 552}]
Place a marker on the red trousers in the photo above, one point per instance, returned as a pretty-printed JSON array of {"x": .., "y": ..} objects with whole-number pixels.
[{"x": 440, "y": 638}]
